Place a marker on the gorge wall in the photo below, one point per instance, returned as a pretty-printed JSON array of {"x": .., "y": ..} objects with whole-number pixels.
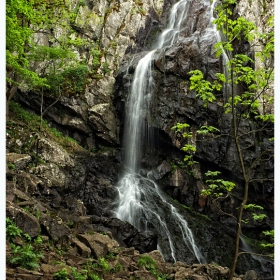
[{"x": 123, "y": 32}]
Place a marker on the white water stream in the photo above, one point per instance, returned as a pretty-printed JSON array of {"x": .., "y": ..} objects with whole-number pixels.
[
  {"x": 141, "y": 202},
  {"x": 263, "y": 261}
]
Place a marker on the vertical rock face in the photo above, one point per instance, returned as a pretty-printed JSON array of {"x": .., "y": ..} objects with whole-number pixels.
[
  {"x": 172, "y": 102},
  {"x": 259, "y": 12},
  {"x": 121, "y": 32},
  {"x": 101, "y": 34}
]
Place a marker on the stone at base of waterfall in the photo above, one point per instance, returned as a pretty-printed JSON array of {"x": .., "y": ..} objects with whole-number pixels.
[
  {"x": 250, "y": 275},
  {"x": 99, "y": 244},
  {"x": 82, "y": 249}
]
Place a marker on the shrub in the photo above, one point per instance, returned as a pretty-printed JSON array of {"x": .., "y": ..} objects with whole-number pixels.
[
  {"x": 61, "y": 275},
  {"x": 104, "y": 264},
  {"x": 25, "y": 256},
  {"x": 77, "y": 275},
  {"x": 12, "y": 230}
]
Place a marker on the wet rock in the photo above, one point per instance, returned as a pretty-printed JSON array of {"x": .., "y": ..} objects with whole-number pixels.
[
  {"x": 162, "y": 170},
  {"x": 126, "y": 234},
  {"x": 251, "y": 275}
]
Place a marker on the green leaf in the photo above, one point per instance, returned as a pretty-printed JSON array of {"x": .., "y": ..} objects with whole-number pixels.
[
  {"x": 253, "y": 207},
  {"x": 212, "y": 173},
  {"x": 188, "y": 148}
]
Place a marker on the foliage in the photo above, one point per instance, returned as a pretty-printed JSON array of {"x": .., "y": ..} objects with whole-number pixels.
[
  {"x": 247, "y": 92},
  {"x": 118, "y": 267},
  {"x": 37, "y": 244},
  {"x": 11, "y": 166},
  {"x": 12, "y": 230},
  {"x": 58, "y": 65},
  {"x": 190, "y": 149},
  {"x": 105, "y": 68},
  {"x": 32, "y": 122},
  {"x": 149, "y": 263},
  {"x": 110, "y": 256},
  {"x": 19, "y": 16},
  {"x": 96, "y": 56},
  {"x": 72, "y": 80},
  {"x": 217, "y": 187},
  {"x": 25, "y": 256},
  {"x": 269, "y": 243},
  {"x": 77, "y": 275},
  {"x": 61, "y": 275},
  {"x": 93, "y": 276},
  {"x": 104, "y": 264}
]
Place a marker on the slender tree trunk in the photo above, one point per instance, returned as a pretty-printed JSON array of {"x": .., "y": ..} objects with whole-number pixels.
[
  {"x": 41, "y": 110},
  {"x": 245, "y": 177},
  {"x": 238, "y": 231},
  {"x": 42, "y": 101},
  {"x": 9, "y": 95}
]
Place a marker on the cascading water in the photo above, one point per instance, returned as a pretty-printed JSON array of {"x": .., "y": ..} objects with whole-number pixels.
[
  {"x": 141, "y": 202},
  {"x": 265, "y": 263}
]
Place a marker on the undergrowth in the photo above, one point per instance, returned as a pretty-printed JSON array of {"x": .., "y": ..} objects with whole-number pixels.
[{"x": 31, "y": 123}]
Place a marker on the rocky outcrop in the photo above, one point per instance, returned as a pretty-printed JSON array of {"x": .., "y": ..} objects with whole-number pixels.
[
  {"x": 107, "y": 29},
  {"x": 74, "y": 190},
  {"x": 72, "y": 248},
  {"x": 260, "y": 13}
]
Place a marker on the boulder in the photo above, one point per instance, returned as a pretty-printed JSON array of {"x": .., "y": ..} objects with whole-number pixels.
[
  {"x": 23, "y": 220},
  {"x": 82, "y": 249},
  {"x": 250, "y": 275},
  {"x": 52, "y": 152},
  {"x": 162, "y": 170},
  {"x": 20, "y": 161},
  {"x": 28, "y": 183},
  {"x": 56, "y": 229},
  {"x": 99, "y": 244},
  {"x": 126, "y": 234}
]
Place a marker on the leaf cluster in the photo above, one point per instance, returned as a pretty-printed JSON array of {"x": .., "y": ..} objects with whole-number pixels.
[
  {"x": 151, "y": 265},
  {"x": 217, "y": 187},
  {"x": 26, "y": 255}
]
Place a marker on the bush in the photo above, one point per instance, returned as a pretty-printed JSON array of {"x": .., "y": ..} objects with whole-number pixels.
[
  {"x": 77, "y": 275},
  {"x": 12, "y": 231},
  {"x": 25, "y": 256},
  {"x": 72, "y": 80},
  {"x": 61, "y": 275}
]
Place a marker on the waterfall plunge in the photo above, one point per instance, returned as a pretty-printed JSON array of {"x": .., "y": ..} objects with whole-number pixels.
[{"x": 141, "y": 202}]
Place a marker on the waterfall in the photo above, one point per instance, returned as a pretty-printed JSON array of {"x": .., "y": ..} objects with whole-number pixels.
[
  {"x": 264, "y": 263},
  {"x": 141, "y": 202}
]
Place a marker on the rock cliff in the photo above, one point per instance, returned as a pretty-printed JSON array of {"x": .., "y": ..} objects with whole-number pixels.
[{"x": 72, "y": 187}]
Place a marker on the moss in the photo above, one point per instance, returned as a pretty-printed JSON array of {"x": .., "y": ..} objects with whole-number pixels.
[{"x": 31, "y": 123}]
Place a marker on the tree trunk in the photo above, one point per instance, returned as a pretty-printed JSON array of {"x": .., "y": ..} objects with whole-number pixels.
[
  {"x": 9, "y": 96},
  {"x": 245, "y": 177},
  {"x": 238, "y": 231}
]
